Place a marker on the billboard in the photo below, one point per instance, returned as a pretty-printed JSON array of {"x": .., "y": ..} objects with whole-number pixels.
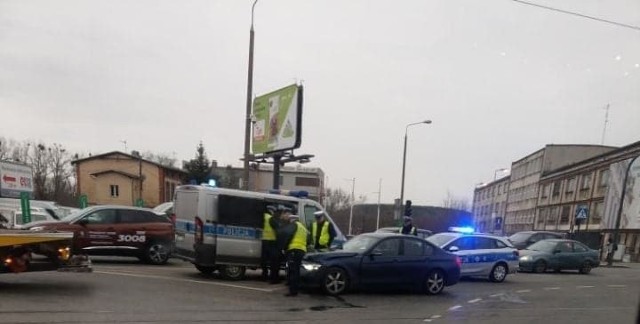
[
  {"x": 277, "y": 120},
  {"x": 14, "y": 179},
  {"x": 630, "y": 218}
]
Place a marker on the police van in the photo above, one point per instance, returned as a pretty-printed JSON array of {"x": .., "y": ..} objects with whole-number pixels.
[{"x": 219, "y": 229}]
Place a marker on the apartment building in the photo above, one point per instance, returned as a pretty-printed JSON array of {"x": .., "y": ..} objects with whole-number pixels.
[{"x": 490, "y": 205}]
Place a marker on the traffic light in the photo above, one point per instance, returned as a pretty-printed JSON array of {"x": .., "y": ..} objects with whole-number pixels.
[{"x": 407, "y": 208}]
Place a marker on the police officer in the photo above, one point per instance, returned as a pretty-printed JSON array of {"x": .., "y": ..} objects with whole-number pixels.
[
  {"x": 296, "y": 247},
  {"x": 322, "y": 232},
  {"x": 408, "y": 228},
  {"x": 270, "y": 261}
]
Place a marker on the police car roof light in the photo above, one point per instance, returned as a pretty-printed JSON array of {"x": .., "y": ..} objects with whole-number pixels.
[
  {"x": 464, "y": 230},
  {"x": 292, "y": 193}
]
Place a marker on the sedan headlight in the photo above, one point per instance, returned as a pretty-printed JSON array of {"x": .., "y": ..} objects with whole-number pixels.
[
  {"x": 37, "y": 228},
  {"x": 309, "y": 266},
  {"x": 525, "y": 258}
]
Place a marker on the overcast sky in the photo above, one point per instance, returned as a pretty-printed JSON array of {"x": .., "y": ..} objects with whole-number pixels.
[{"x": 498, "y": 78}]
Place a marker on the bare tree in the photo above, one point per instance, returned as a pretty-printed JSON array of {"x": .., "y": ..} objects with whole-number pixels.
[
  {"x": 453, "y": 202},
  {"x": 161, "y": 158},
  {"x": 59, "y": 163},
  {"x": 38, "y": 159},
  {"x": 336, "y": 200}
]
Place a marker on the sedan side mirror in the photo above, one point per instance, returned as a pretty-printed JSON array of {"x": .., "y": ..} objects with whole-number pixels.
[{"x": 454, "y": 249}]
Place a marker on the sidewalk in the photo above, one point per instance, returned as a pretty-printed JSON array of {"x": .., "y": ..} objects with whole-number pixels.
[{"x": 629, "y": 265}]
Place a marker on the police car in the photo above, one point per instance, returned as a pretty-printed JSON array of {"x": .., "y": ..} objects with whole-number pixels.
[{"x": 482, "y": 255}]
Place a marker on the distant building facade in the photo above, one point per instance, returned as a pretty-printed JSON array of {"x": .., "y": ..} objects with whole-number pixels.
[
  {"x": 121, "y": 179},
  {"x": 525, "y": 180},
  {"x": 261, "y": 178},
  {"x": 490, "y": 205}
]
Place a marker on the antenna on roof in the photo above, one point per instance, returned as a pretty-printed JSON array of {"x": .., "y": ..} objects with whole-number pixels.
[
  {"x": 606, "y": 121},
  {"x": 125, "y": 145}
]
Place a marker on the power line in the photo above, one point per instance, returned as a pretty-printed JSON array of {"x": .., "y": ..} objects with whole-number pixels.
[{"x": 579, "y": 15}]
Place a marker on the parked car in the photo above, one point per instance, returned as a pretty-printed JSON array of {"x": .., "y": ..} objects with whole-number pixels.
[
  {"x": 381, "y": 260},
  {"x": 119, "y": 231},
  {"x": 422, "y": 233},
  {"x": 12, "y": 217},
  {"x": 558, "y": 255},
  {"x": 482, "y": 255},
  {"x": 164, "y": 208},
  {"x": 522, "y": 240}
]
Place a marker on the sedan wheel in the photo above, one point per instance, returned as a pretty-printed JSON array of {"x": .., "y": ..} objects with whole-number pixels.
[
  {"x": 435, "y": 282},
  {"x": 157, "y": 253},
  {"x": 335, "y": 281},
  {"x": 540, "y": 266},
  {"x": 498, "y": 273},
  {"x": 586, "y": 267}
]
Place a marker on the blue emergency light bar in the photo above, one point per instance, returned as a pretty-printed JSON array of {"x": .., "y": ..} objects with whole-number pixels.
[
  {"x": 292, "y": 193},
  {"x": 464, "y": 230}
]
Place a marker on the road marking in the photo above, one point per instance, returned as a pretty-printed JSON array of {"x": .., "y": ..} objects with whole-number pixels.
[
  {"x": 455, "y": 307},
  {"x": 551, "y": 288},
  {"x": 426, "y": 320},
  {"x": 184, "y": 280},
  {"x": 523, "y": 291},
  {"x": 616, "y": 286},
  {"x": 473, "y": 301},
  {"x": 583, "y": 287},
  {"x": 435, "y": 316},
  {"x": 496, "y": 295}
]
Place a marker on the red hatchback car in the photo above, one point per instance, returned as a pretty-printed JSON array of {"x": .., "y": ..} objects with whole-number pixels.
[{"x": 117, "y": 231}]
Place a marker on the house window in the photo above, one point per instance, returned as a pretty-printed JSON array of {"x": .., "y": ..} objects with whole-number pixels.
[
  {"x": 556, "y": 188},
  {"x": 564, "y": 216},
  {"x": 571, "y": 185},
  {"x": 115, "y": 191},
  {"x": 307, "y": 182},
  {"x": 586, "y": 182},
  {"x": 604, "y": 178},
  {"x": 596, "y": 217}
]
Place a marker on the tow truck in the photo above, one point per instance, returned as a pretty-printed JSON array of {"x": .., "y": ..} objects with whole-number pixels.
[{"x": 27, "y": 251}]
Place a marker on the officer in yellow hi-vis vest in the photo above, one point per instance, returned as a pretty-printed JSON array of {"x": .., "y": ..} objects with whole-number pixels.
[
  {"x": 270, "y": 262},
  {"x": 296, "y": 247},
  {"x": 322, "y": 232}
]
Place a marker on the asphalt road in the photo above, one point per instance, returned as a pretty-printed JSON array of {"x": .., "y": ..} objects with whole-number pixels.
[{"x": 121, "y": 290}]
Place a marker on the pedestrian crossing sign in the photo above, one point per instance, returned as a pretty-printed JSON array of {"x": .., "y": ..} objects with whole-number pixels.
[{"x": 582, "y": 212}]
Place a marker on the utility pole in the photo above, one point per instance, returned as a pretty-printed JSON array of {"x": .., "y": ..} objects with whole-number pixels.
[
  {"x": 353, "y": 188},
  {"x": 379, "y": 194},
  {"x": 247, "y": 127}
]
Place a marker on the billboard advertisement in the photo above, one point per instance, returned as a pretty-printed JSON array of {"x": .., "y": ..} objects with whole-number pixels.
[
  {"x": 277, "y": 124},
  {"x": 14, "y": 179},
  {"x": 630, "y": 218}
]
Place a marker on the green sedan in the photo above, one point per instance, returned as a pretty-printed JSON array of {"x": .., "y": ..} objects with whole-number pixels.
[{"x": 557, "y": 255}]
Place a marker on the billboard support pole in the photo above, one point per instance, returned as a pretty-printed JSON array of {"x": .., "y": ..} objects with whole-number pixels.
[
  {"x": 616, "y": 230},
  {"x": 247, "y": 126},
  {"x": 276, "y": 171}
]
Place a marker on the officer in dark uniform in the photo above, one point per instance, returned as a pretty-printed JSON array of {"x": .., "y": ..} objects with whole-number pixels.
[{"x": 270, "y": 262}]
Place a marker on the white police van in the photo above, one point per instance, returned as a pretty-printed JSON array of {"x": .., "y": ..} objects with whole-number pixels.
[
  {"x": 482, "y": 255},
  {"x": 221, "y": 229}
]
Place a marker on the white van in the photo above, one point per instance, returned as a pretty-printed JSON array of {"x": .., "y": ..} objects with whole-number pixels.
[
  {"x": 51, "y": 207},
  {"x": 12, "y": 218},
  {"x": 221, "y": 229}
]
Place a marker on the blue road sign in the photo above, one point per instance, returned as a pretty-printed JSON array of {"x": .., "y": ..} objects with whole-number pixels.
[{"x": 582, "y": 212}]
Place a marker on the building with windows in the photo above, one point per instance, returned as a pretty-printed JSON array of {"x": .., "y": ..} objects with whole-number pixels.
[
  {"x": 525, "y": 177},
  {"x": 490, "y": 205},
  {"x": 592, "y": 188},
  {"x": 296, "y": 177},
  {"x": 123, "y": 179}
]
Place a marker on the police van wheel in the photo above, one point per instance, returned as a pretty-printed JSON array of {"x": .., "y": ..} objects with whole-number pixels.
[
  {"x": 157, "y": 253},
  {"x": 231, "y": 272},
  {"x": 435, "y": 282},
  {"x": 498, "y": 273},
  {"x": 205, "y": 270},
  {"x": 335, "y": 281}
]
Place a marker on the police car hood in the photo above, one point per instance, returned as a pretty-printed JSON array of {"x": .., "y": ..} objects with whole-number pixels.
[{"x": 326, "y": 256}]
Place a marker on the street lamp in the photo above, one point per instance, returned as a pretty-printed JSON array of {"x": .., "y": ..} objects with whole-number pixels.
[
  {"x": 353, "y": 188},
  {"x": 247, "y": 126},
  {"x": 404, "y": 159},
  {"x": 616, "y": 230}
]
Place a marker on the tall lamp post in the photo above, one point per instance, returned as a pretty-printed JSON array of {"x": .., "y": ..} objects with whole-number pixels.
[
  {"x": 247, "y": 126},
  {"x": 404, "y": 159},
  {"x": 353, "y": 188},
  {"x": 616, "y": 230}
]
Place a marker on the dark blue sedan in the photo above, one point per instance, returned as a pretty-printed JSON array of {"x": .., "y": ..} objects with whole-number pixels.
[{"x": 381, "y": 260}]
